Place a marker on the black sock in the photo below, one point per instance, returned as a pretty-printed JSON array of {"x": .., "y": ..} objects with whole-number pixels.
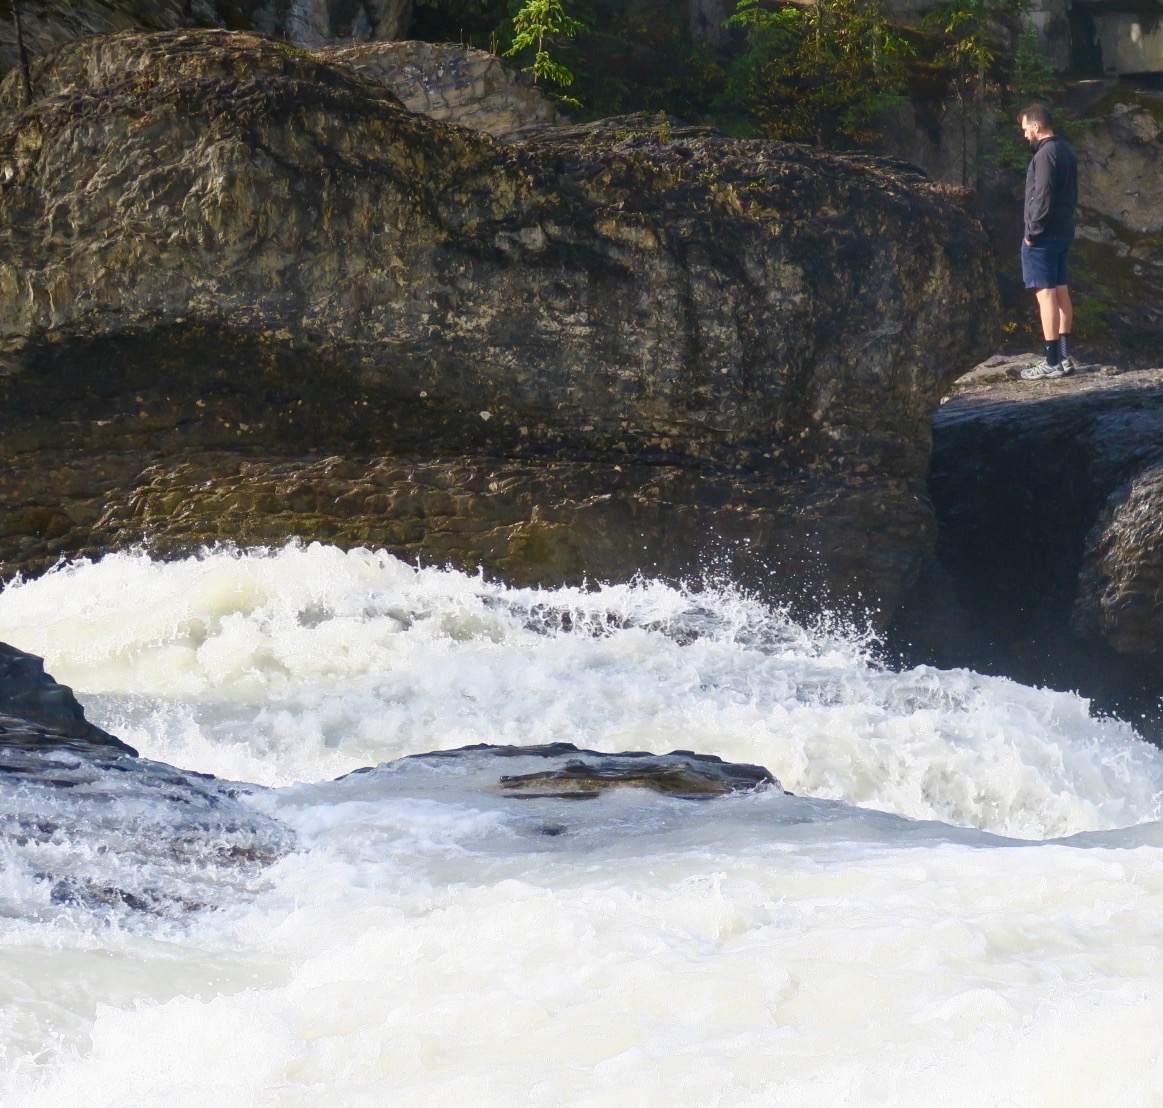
[
  {"x": 1052, "y": 355},
  {"x": 1064, "y": 344}
]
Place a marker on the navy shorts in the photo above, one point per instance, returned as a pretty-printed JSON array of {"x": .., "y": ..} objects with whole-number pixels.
[{"x": 1044, "y": 263}]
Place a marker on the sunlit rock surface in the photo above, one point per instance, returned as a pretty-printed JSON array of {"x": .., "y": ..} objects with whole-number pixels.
[
  {"x": 221, "y": 258},
  {"x": 455, "y": 83}
]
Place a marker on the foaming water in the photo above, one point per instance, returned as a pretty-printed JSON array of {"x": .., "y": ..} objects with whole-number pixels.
[{"x": 959, "y": 903}]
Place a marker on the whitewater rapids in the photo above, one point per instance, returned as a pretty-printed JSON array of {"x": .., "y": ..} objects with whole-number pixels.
[{"x": 962, "y": 905}]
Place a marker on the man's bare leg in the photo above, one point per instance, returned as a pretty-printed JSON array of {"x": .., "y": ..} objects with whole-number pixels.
[
  {"x": 1051, "y": 313},
  {"x": 1065, "y": 311}
]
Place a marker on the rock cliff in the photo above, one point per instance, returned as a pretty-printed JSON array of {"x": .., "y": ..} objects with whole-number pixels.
[
  {"x": 1050, "y": 502},
  {"x": 589, "y": 353}
]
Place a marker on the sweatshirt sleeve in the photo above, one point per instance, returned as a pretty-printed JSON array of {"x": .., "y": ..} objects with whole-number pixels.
[{"x": 1041, "y": 194}]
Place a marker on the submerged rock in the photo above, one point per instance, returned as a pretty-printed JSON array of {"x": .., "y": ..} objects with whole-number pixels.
[
  {"x": 562, "y": 771},
  {"x": 209, "y": 242},
  {"x": 579, "y": 780},
  {"x": 84, "y": 821},
  {"x": 586, "y": 774}
]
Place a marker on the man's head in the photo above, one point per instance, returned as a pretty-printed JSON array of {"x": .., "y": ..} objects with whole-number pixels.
[{"x": 1035, "y": 123}]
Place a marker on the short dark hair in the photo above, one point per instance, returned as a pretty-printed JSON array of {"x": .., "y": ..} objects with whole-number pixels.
[{"x": 1036, "y": 113}]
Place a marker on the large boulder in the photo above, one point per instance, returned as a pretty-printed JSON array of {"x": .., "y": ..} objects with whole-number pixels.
[{"x": 209, "y": 242}]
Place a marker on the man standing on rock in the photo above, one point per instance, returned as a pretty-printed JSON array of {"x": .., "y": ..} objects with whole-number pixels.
[{"x": 1051, "y": 193}]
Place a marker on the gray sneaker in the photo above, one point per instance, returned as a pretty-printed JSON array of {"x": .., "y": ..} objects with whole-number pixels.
[
  {"x": 1068, "y": 365},
  {"x": 1044, "y": 371}
]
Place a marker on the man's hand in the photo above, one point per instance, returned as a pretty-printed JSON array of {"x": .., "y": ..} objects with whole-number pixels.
[{"x": 1027, "y": 242}]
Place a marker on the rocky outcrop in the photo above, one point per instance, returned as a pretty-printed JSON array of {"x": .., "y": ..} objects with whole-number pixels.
[
  {"x": 211, "y": 243},
  {"x": 85, "y": 822},
  {"x": 36, "y": 711},
  {"x": 1051, "y": 541},
  {"x": 52, "y": 23},
  {"x": 560, "y": 771},
  {"x": 1120, "y": 164},
  {"x": 456, "y": 84}
]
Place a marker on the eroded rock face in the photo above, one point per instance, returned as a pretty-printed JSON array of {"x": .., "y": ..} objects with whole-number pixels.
[
  {"x": 251, "y": 251},
  {"x": 1120, "y": 596},
  {"x": 1120, "y": 164}
]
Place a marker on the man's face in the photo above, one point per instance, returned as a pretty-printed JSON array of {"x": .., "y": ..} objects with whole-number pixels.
[{"x": 1031, "y": 130}]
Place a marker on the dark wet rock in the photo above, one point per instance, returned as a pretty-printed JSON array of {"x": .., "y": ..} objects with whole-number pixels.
[
  {"x": 1051, "y": 533},
  {"x": 574, "y": 774},
  {"x": 87, "y": 823},
  {"x": 672, "y": 775},
  {"x": 49, "y": 24},
  {"x": 209, "y": 243},
  {"x": 36, "y": 711},
  {"x": 1120, "y": 594}
]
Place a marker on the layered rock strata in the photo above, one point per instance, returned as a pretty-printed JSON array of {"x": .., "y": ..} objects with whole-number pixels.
[{"x": 220, "y": 259}]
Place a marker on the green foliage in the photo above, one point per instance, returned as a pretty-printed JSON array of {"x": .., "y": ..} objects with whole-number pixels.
[
  {"x": 819, "y": 74},
  {"x": 970, "y": 37},
  {"x": 539, "y": 23},
  {"x": 1030, "y": 79}
]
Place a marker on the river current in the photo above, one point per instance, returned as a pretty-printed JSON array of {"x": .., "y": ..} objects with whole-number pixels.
[{"x": 962, "y": 904}]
